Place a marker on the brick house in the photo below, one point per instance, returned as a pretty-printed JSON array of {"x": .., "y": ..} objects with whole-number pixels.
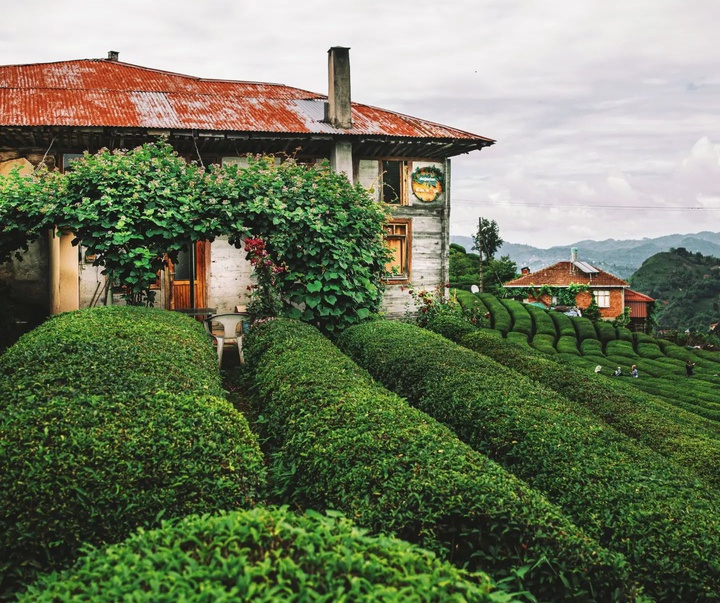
[
  {"x": 608, "y": 290},
  {"x": 53, "y": 112}
]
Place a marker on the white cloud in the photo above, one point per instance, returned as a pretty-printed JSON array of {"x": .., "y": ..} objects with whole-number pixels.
[{"x": 599, "y": 107}]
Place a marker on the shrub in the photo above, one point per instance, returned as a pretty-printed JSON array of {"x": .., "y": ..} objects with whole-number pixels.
[
  {"x": 625, "y": 495},
  {"x": 584, "y": 328},
  {"x": 605, "y": 331},
  {"x": 518, "y": 338},
  {"x": 522, "y": 323},
  {"x": 567, "y": 345},
  {"x": 450, "y": 326},
  {"x": 335, "y": 439},
  {"x": 625, "y": 334},
  {"x": 542, "y": 343},
  {"x": 262, "y": 555},
  {"x": 591, "y": 347},
  {"x": 563, "y": 324},
  {"x": 649, "y": 350},
  {"x": 109, "y": 350},
  {"x": 93, "y": 468},
  {"x": 499, "y": 315},
  {"x": 542, "y": 323},
  {"x": 620, "y": 348}
]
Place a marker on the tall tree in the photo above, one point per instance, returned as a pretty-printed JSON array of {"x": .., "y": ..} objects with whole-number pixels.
[{"x": 486, "y": 241}]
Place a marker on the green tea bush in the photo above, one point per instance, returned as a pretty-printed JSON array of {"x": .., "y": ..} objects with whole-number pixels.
[
  {"x": 584, "y": 328},
  {"x": 263, "y": 555},
  {"x": 605, "y": 331},
  {"x": 649, "y": 350},
  {"x": 567, "y": 345},
  {"x": 563, "y": 325},
  {"x": 518, "y": 338},
  {"x": 336, "y": 439},
  {"x": 499, "y": 315},
  {"x": 620, "y": 348},
  {"x": 625, "y": 334},
  {"x": 627, "y": 496},
  {"x": 451, "y": 326},
  {"x": 522, "y": 323},
  {"x": 542, "y": 323},
  {"x": 591, "y": 347},
  {"x": 94, "y": 468},
  {"x": 542, "y": 343},
  {"x": 109, "y": 350},
  {"x": 639, "y": 337}
]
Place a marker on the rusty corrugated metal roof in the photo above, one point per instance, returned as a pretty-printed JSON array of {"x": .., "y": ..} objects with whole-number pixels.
[
  {"x": 103, "y": 93},
  {"x": 563, "y": 274}
]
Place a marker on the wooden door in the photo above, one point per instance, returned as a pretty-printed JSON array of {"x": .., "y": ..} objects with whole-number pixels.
[{"x": 179, "y": 294}]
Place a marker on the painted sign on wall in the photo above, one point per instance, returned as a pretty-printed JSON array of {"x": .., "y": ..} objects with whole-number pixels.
[{"x": 427, "y": 183}]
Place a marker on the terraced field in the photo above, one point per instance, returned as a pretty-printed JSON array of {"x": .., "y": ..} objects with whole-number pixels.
[{"x": 579, "y": 342}]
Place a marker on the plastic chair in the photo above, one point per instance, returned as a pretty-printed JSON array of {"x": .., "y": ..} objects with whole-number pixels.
[{"x": 232, "y": 325}]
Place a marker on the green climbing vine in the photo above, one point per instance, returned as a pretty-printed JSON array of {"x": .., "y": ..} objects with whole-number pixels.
[{"x": 132, "y": 208}]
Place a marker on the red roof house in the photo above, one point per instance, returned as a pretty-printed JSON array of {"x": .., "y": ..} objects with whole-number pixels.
[{"x": 607, "y": 289}]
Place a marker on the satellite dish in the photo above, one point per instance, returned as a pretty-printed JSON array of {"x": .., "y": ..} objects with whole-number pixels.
[{"x": 475, "y": 289}]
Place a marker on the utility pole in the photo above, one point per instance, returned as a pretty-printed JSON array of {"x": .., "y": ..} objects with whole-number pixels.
[{"x": 479, "y": 245}]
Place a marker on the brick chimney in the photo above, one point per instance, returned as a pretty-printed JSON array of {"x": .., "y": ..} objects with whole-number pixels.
[
  {"x": 113, "y": 55},
  {"x": 338, "y": 108},
  {"x": 525, "y": 270}
]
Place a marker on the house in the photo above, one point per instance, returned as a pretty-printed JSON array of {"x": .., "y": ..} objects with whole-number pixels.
[
  {"x": 641, "y": 308},
  {"x": 52, "y": 112},
  {"x": 612, "y": 294}
]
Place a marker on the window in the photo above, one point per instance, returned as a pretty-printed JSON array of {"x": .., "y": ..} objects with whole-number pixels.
[
  {"x": 394, "y": 176},
  {"x": 398, "y": 240},
  {"x": 67, "y": 160},
  {"x": 602, "y": 298}
]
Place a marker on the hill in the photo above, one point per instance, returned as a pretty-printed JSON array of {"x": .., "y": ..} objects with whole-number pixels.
[
  {"x": 686, "y": 286},
  {"x": 619, "y": 257}
]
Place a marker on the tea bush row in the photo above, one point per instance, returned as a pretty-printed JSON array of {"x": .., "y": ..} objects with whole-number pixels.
[
  {"x": 501, "y": 318},
  {"x": 335, "y": 439},
  {"x": 542, "y": 323},
  {"x": 109, "y": 350},
  {"x": 630, "y": 498},
  {"x": 685, "y": 437},
  {"x": 80, "y": 467},
  {"x": 522, "y": 323},
  {"x": 263, "y": 555}
]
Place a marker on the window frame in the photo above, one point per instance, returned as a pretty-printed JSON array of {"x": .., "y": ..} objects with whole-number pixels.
[
  {"x": 404, "y": 169},
  {"x": 600, "y": 296},
  {"x": 406, "y": 241}
]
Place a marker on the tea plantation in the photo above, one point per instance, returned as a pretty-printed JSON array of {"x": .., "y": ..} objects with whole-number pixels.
[{"x": 393, "y": 464}]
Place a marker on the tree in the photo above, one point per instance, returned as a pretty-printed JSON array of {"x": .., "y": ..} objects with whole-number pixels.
[
  {"x": 486, "y": 241},
  {"x": 131, "y": 208}
]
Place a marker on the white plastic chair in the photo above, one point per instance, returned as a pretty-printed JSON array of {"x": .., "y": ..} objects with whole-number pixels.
[{"x": 232, "y": 325}]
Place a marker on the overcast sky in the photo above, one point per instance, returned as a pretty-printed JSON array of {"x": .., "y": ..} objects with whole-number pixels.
[{"x": 606, "y": 112}]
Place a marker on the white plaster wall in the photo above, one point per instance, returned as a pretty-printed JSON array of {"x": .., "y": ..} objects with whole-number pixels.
[{"x": 230, "y": 275}]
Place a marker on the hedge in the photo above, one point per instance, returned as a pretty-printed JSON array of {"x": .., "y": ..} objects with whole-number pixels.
[
  {"x": 591, "y": 347},
  {"x": 518, "y": 338},
  {"x": 542, "y": 323},
  {"x": 522, "y": 323},
  {"x": 567, "y": 345},
  {"x": 630, "y": 498},
  {"x": 501, "y": 318},
  {"x": 649, "y": 350},
  {"x": 563, "y": 324},
  {"x": 620, "y": 348},
  {"x": 542, "y": 343},
  {"x": 108, "y": 350},
  {"x": 605, "y": 331},
  {"x": 625, "y": 334},
  {"x": 111, "y": 419},
  {"x": 335, "y": 439},
  {"x": 584, "y": 328},
  {"x": 263, "y": 555},
  {"x": 92, "y": 469},
  {"x": 688, "y": 439}
]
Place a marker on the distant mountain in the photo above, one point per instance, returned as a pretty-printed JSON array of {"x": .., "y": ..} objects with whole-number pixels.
[
  {"x": 619, "y": 257},
  {"x": 685, "y": 286}
]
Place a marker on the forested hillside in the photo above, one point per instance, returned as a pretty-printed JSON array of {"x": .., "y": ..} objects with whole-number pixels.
[{"x": 686, "y": 286}]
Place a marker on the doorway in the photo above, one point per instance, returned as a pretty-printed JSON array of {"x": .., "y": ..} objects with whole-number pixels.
[{"x": 184, "y": 291}]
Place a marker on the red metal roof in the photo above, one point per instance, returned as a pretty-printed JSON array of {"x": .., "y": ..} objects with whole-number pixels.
[
  {"x": 634, "y": 296},
  {"x": 563, "y": 274},
  {"x": 104, "y": 93}
]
